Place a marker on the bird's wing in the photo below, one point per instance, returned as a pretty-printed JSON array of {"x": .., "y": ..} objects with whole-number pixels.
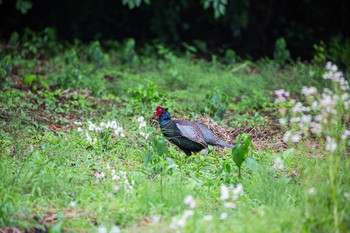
[{"x": 191, "y": 131}]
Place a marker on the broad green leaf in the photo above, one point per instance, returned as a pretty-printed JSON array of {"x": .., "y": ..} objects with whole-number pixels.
[
  {"x": 238, "y": 155},
  {"x": 44, "y": 83},
  {"x": 148, "y": 158},
  {"x": 159, "y": 146},
  {"x": 29, "y": 79}
]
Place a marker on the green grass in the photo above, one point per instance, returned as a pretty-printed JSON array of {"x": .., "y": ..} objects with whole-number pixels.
[{"x": 48, "y": 168}]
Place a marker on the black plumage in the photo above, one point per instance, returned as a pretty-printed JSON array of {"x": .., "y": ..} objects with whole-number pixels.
[{"x": 189, "y": 136}]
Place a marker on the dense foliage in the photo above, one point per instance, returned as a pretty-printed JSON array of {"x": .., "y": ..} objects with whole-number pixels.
[
  {"x": 80, "y": 150},
  {"x": 248, "y": 27}
]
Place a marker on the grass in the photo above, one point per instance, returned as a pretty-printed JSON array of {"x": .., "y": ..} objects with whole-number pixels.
[{"x": 54, "y": 180}]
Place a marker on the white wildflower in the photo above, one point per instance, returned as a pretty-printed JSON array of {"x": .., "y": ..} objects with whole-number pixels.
[
  {"x": 315, "y": 105},
  {"x": 144, "y": 135},
  {"x": 116, "y": 188},
  {"x": 311, "y": 191},
  {"x": 278, "y": 164},
  {"x": 327, "y": 100},
  {"x": 287, "y": 136},
  {"x": 114, "y": 125},
  {"x": 102, "y": 229},
  {"x": 115, "y": 229},
  {"x": 177, "y": 223},
  {"x": 92, "y": 141},
  {"x": 100, "y": 175},
  {"x": 224, "y": 192},
  {"x": 334, "y": 68},
  {"x": 223, "y": 216},
  {"x": 140, "y": 119},
  {"x": 93, "y": 127},
  {"x": 318, "y": 118},
  {"x": 72, "y": 204},
  {"x": 306, "y": 119},
  {"x": 238, "y": 191},
  {"x": 331, "y": 145},
  {"x": 187, "y": 214},
  {"x": 190, "y": 201},
  {"x": 282, "y": 121},
  {"x": 328, "y": 65},
  {"x": 315, "y": 127},
  {"x": 296, "y": 137},
  {"x": 77, "y": 123},
  {"x": 298, "y": 107},
  {"x": 155, "y": 219},
  {"x": 307, "y": 91},
  {"x": 282, "y": 95},
  {"x": 295, "y": 119},
  {"x": 142, "y": 125},
  {"x": 345, "y": 134},
  {"x": 207, "y": 217},
  {"x": 230, "y": 205}
]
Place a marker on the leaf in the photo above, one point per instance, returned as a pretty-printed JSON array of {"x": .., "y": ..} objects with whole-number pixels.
[
  {"x": 23, "y": 6},
  {"x": 159, "y": 146},
  {"x": 29, "y": 79},
  {"x": 238, "y": 155},
  {"x": 228, "y": 167},
  {"x": 44, "y": 83},
  {"x": 148, "y": 158}
]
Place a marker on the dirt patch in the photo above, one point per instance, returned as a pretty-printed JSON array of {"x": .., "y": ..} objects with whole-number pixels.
[{"x": 268, "y": 137}]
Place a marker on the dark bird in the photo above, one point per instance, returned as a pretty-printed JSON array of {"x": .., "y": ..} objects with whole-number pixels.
[{"x": 189, "y": 136}]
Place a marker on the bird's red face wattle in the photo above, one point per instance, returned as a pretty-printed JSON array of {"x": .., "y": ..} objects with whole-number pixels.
[{"x": 159, "y": 111}]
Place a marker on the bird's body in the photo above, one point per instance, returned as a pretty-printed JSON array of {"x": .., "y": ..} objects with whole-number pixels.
[{"x": 189, "y": 136}]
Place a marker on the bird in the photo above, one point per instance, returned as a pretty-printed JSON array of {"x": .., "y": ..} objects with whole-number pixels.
[{"x": 189, "y": 136}]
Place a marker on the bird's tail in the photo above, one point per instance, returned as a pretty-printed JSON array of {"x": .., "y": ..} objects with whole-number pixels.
[{"x": 224, "y": 144}]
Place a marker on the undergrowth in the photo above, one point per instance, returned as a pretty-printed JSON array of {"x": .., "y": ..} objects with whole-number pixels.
[{"x": 81, "y": 151}]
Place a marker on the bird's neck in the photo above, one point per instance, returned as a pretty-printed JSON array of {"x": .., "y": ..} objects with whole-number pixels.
[{"x": 165, "y": 118}]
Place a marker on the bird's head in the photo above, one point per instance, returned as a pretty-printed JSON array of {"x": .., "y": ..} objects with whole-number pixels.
[
  {"x": 162, "y": 113},
  {"x": 159, "y": 111}
]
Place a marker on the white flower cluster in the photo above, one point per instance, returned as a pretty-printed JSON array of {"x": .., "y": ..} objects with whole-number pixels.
[
  {"x": 113, "y": 125},
  {"x": 100, "y": 175},
  {"x": 117, "y": 129},
  {"x": 142, "y": 126},
  {"x": 177, "y": 223},
  {"x": 229, "y": 194},
  {"x": 278, "y": 164},
  {"x": 122, "y": 180},
  {"x": 336, "y": 76},
  {"x": 320, "y": 111},
  {"x": 225, "y": 195},
  {"x": 103, "y": 229},
  {"x": 282, "y": 95}
]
